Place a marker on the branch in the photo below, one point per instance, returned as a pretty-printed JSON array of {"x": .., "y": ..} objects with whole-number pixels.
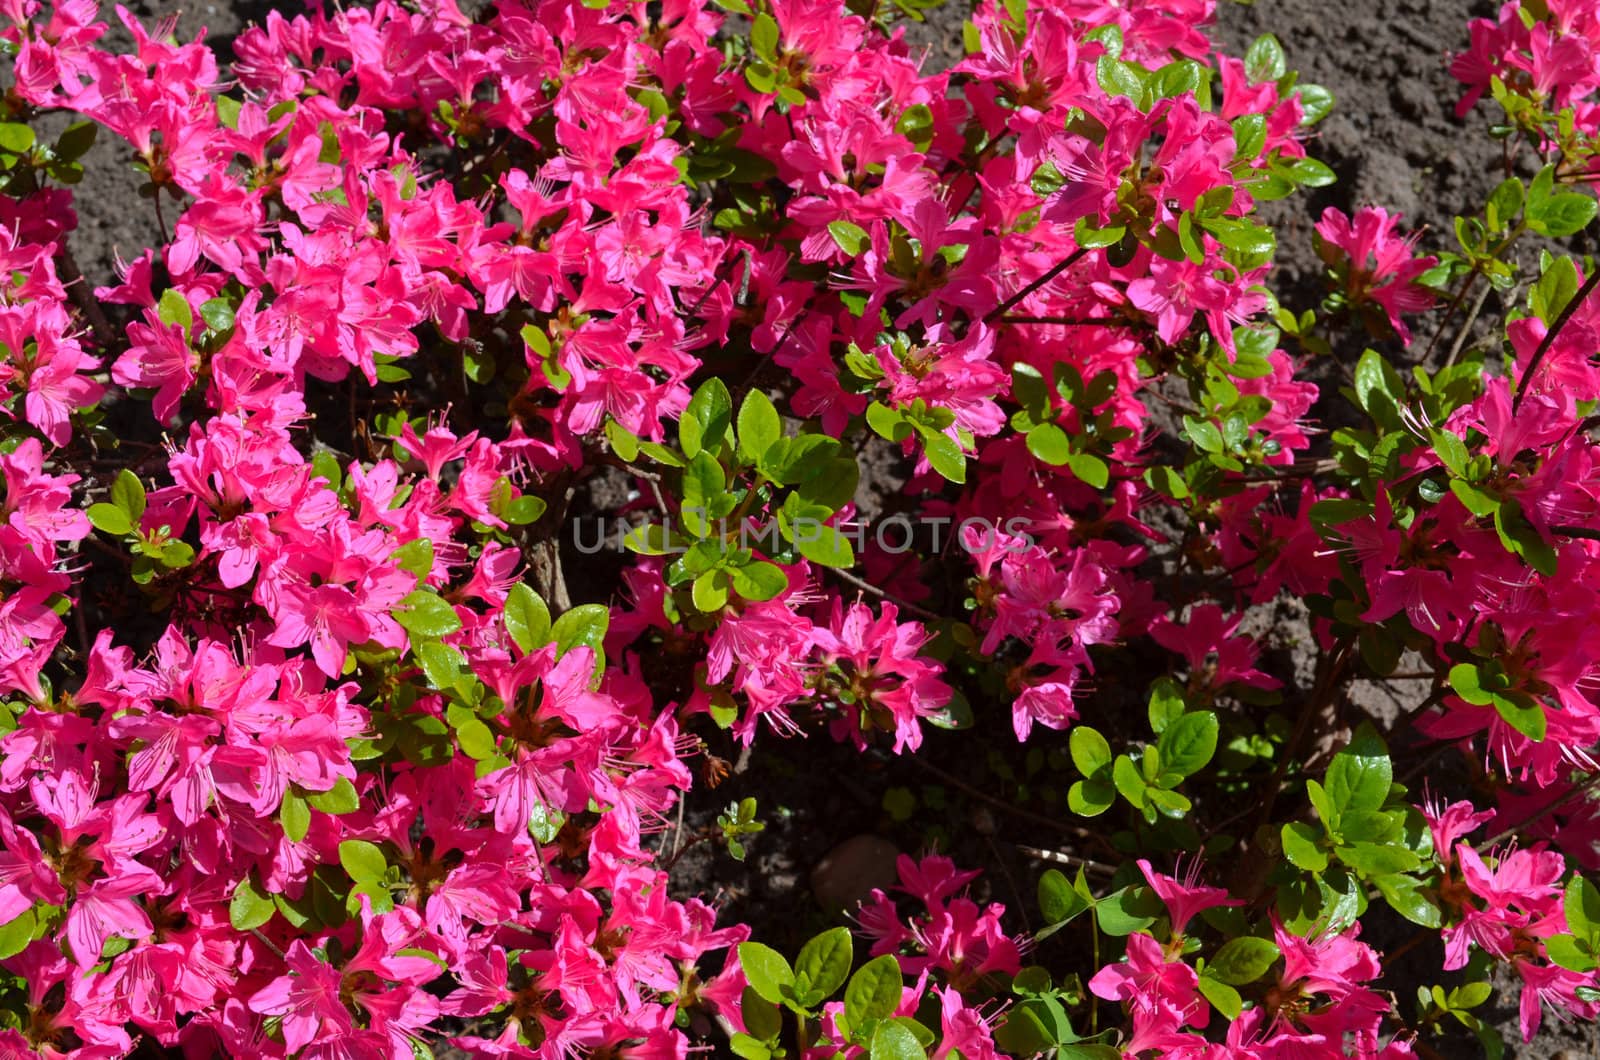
[
  {"x": 1550, "y": 336},
  {"x": 1070, "y": 322},
  {"x": 1580, "y": 790},
  {"x": 1055, "y": 270},
  {"x": 904, "y": 605}
]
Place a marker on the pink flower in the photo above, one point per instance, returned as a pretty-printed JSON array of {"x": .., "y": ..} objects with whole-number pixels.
[
  {"x": 1215, "y": 653},
  {"x": 1376, "y": 263},
  {"x": 306, "y": 998},
  {"x": 1185, "y": 896}
]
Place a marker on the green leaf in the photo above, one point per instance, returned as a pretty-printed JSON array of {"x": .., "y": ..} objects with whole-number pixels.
[
  {"x": 850, "y": 238},
  {"x": 1521, "y": 538},
  {"x": 1091, "y": 798},
  {"x": 1205, "y": 435},
  {"x": 1090, "y": 469},
  {"x": 1128, "y": 780},
  {"x": 759, "y": 581},
  {"x": 1467, "y": 682},
  {"x": 1249, "y": 136},
  {"x": 1168, "y": 482},
  {"x": 762, "y": 1018},
  {"x": 1360, "y": 775},
  {"x": 759, "y": 426},
  {"x": 1556, "y": 288},
  {"x": 444, "y": 666},
  {"x": 1375, "y": 859},
  {"x": 1089, "y": 237},
  {"x": 1523, "y": 713},
  {"x": 339, "y": 799},
  {"x": 1242, "y": 960},
  {"x": 1570, "y": 953},
  {"x": 1315, "y": 101},
  {"x": 76, "y": 139},
  {"x": 821, "y": 543},
  {"x": 1090, "y": 751},
  {"x": 127, "y": 493},
  {"x": 874, "y": 991},
  {"x": 363, "y": 861},
  {"x": 802, "y": 459},
  {"x": 218, "y": 314},
  {"x": 527, "y": 618},
  {"x": 1505, "y": 202},
  {"x": 1035, "y": 1025},
  {"x": 1582, "y": 906},
  {"x": 1562, "y": 215},
  {"x": 424, "y": 613},
  {"x": 17, "y": 933},
  {"x": 1118, "y": 78},
  {"x": 1059, "y": 901},
  {"x": 1166, "y": 705},
  {"x": 1451, "y": 450},
  {"x": 295, "y": 816},
  {"x": 707, "y": 420},
  {"x": 415, "y": 558},
  {"x": 894, "y": 1041},
  {"x": 1264, "y": 60},
  {"x": 764, "y": 37},
  {"x": 173, "y": 308},
  {"x": 584, "y": 625},
  {"x": 1404, "y": 895},
  {"x": 16, "y": 138},
  {"x": 824, "y": 962},
  {"x": 705, "y": 489},
  {"x": 1188, "y": 743},
  {"x": 1220, "y": 994},
  {"x": 765, "y": 969},
  {"x": 1311, "y": 173},
  {"x": 109, "y": 519},
  {"x": 476, "y": 739},
  {"x": 1470, "y": 995},
  {"x": 1301, "y": 846},
  {"x": 523, "y": 510},
  {"x": 1050, "y": 444},
  {"x": 249, "y": 907},
  {"x": 944, "y": 455},
  {"x": 1128, "y": 910}
]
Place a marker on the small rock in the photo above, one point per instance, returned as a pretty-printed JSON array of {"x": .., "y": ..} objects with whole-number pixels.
[{"x": 850, "y": 871}]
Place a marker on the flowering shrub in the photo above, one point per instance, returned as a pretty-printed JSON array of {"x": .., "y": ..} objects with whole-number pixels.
[{"x": 310, "y": 749}]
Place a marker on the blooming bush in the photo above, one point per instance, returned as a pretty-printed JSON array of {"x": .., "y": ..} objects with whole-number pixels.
[{"x": 310, "y": 749}]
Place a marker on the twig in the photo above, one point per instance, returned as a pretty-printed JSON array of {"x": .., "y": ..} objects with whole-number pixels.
[
  {"x": 770, "y": 354},
  {"x": 1011, "y": 881},
  {"x": 904, "y": 605},
  {"x": 1582, "y": 789},
  {"x": 1067, "y": 859},
  {"x": 1016, "y": 811},
  {"x": 1321, "y": 697},
  {"x": 1466, "y": 325},
  {"x": 72, "y": 280},
  {"x": 1550, "y": 336},
  {"x": 1449, "y": 315},
  {"x": 1071, "y": 322},
  {"x": 268, "y": 943},
  {"x": 160, "y": 220},
  {"x": 1407, "y": 946},
  {"x": 1576, "y": 531},
  {"x": 1055, "y": 270}
]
